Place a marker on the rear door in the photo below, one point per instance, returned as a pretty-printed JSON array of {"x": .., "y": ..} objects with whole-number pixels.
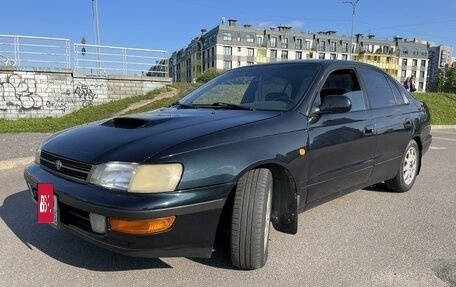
[
  {"x": 341, "y": 145},
  {"x": 392, "y": 120}
]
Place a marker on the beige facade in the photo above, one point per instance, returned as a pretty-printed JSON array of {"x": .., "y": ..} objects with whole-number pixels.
[{"x": 229, "y": 46}]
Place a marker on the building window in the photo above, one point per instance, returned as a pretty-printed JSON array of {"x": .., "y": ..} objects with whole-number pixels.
[
  {"x": 284, "y": 54},
  {"x": 299, "y": 55},
  {"x": 321, "y": 56},
  {"x": 227, "y": 65},
  {"x": 423, "y": 63},
  {"x": 344, "y": 47},
  {"x": 422, "y": 74},
  {"x": 273, "y": 42},
  {"x": 298, "y": 45},
  {"x": 333, "y": 46},
  {"x": 239, "y": 63},
  {"x": 404, "y": 62},
  {"x": 250, "y": 63},
  {"x": 414, "y": 62},
  {"x": 239, "y": 37},
  {"x": 227, "y": 36},
  {"x": 285, "y": 43},
  {"x": 332, "y": 56},
  {"x": 414, "y": 74},
  {"x": 250, "y": 38},
  {"x": 273, "y": 53},
  {"x": 321, "y": 45},
  {"x": 227, "y": 50},
  {"x": 250, "y": 52},
  {"x": 307, "y": 45},
  {"x": 260, "y": 40},
  {"x": 421, "y": 86},
  {"x": 344, "y": 57},
  {"x": 239, "y": 49},
  {"x": 403, "y": 73}
]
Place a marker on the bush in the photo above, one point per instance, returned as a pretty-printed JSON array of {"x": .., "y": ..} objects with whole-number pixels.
[{"x": 208, "y": 75}]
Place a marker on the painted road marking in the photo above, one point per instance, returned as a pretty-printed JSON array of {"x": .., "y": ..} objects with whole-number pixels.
[
  {"x": 438, "y": 148},
  {"x": 437, "y": 138}
]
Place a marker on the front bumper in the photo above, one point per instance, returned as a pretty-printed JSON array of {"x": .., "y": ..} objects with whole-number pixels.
[{"x": 197, "y": 214}]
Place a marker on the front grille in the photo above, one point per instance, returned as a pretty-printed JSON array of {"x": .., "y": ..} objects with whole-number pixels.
[{"x": 65, "y": 167}]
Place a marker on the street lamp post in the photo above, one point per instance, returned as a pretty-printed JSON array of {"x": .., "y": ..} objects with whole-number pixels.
[
  {"x": 96, "y": 31},
  {"x": 353, "y": 3}
]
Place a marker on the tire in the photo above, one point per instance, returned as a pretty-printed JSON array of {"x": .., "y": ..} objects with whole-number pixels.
[
  {"x": 408, "y": 170},
  {"x": 251, "y": 219}
]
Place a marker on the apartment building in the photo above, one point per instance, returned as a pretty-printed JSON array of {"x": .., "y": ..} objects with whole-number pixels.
[
  {"x": 440, "y": 57},
  {"x": 229, "y": 45}
]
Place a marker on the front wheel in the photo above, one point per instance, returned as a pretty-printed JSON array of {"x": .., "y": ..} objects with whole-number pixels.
[
  {"x": 251, "y": 219},
  {"x": 408, "y": 170}
]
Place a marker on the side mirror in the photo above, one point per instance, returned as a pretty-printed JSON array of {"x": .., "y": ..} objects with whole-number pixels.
[{"x": 335, "y": 104}]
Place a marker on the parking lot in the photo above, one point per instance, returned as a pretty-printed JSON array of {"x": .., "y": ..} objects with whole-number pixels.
[{"x": 370, "y": 237}]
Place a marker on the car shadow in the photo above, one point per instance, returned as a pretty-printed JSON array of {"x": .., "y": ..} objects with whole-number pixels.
[
  {"x": 19, "y": 214},
  {"x": 220, "y": 256},
  {"x": 379, "y": 187}
]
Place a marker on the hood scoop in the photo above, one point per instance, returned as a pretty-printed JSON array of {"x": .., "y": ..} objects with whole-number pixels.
[{"x": 126, "y": 123}]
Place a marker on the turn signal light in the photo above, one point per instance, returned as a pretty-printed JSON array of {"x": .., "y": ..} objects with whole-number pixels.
[{"x": 142, "y": 226}]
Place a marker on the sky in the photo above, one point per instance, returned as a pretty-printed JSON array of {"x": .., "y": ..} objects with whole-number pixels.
[{"x": 171, "y": 25}]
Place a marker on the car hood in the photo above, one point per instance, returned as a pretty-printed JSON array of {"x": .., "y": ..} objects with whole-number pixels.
[{"x": 138, "y": 137}]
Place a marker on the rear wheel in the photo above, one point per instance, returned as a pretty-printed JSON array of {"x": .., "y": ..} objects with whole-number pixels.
[
  {"x": 408, "y": 170},
  {"x": 251, "y": 219}
]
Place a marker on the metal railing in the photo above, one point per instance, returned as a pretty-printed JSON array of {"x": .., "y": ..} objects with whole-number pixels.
[
  {"x": 109, "y": 60},
  {"x": 25, "y": 52}
]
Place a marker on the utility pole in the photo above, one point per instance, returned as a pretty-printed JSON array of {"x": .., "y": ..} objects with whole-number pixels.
[
  {"x": 353, "y": 3},
  {"x": 96, "y": 31}
]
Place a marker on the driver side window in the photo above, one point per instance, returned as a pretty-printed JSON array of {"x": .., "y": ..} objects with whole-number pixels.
[{"x": 343, "y": 82}]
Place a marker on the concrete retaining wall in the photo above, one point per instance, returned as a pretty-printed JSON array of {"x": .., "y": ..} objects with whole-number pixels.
[{"x": 38, "y": 94}]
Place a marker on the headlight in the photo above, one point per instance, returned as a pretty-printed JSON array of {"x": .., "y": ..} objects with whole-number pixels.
[{"x": 133, "y": 177}]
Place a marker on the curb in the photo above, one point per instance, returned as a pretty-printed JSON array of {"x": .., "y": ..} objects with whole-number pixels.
[{"x": 16, "y": 162}]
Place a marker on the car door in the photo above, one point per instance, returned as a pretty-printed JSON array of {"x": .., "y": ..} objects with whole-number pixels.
[
  {"x": 392, "y": 120},
  {"x": 341, "y": 145}
]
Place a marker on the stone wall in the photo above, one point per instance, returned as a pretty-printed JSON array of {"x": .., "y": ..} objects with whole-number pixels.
[{"x": 38, "y": 94}]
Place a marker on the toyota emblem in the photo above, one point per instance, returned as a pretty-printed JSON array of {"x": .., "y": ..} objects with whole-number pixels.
[{"x": 58, "y": 165}]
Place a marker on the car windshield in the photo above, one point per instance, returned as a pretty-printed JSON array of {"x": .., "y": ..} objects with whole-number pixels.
[{"x": 264, "y": 87}]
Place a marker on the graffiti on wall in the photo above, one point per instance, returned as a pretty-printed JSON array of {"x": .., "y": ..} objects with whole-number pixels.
[
  {"x": 20, "y": 94},
  {"x": 60, "y": 104},
  {"x": 85, "y": 93}
]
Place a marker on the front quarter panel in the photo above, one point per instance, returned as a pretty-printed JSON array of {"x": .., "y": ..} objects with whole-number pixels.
[{"x": 224, "y": 156}]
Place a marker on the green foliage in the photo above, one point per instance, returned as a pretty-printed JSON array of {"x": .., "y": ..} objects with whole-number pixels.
[
  {"x": 442, "y": 107},
  {"x": 446, "y": 81},
  {"x": 208, "y": 75}
]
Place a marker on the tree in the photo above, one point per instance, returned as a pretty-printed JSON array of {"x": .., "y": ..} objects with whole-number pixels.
[{"x": 208, "y": 75}]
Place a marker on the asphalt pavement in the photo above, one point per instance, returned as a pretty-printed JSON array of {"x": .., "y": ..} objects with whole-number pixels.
[{"x": 370, "y": 237}]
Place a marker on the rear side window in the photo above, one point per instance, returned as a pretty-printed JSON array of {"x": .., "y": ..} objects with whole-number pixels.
[{"x": 378, "y": 89}]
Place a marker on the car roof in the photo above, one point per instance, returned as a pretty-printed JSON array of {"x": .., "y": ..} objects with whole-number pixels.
[{"x": 323, "y": 63}]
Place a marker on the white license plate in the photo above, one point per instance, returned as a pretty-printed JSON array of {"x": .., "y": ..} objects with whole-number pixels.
[{"x": 55, "y": 213}]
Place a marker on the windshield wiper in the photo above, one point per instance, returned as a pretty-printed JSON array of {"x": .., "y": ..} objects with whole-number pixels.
[
  {"x": 182, "y": 106},
  {"x": 223, "y": 105}
]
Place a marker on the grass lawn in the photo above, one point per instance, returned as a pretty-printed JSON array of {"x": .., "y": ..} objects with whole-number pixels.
[{"x": 442, "y": 106}]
